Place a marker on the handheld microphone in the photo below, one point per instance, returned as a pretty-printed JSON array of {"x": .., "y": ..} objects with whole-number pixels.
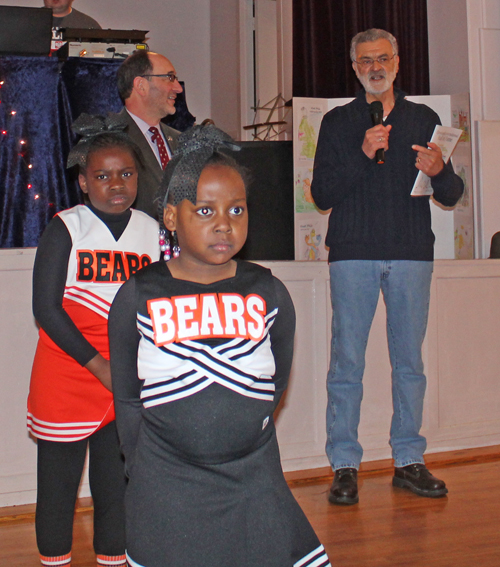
[{"x": 377, "y": 114}]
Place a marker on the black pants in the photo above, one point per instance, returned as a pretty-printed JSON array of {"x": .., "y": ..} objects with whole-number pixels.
[{"x": 60, "y": 467}]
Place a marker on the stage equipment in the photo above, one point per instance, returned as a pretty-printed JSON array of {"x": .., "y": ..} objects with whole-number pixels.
[
  {"x": 25, "y": 31},
  {"x": 103, "y": 44},
  {"x": 270, "y": 200}
]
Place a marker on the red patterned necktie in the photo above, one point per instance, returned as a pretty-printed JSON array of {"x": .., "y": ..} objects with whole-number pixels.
[{"x": 160, "y": 144}]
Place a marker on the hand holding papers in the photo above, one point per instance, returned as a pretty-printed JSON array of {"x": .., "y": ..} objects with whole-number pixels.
[{"x": 446, "y": 138}]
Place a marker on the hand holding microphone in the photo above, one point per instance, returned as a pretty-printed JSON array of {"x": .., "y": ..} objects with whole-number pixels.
[{"x": 376, "y": 138}]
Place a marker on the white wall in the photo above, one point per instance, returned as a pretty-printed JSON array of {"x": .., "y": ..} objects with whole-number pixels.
[
  {"x": 464, "y": 54},
  {"x": 18, "y": 338},
  {"x": 179, "y": 29},
  {"x": 225, "y": 55},
  {"x": 266, "y": 54},
  {"x": 483, "y": 19},
  {"x": 285, "y": 47},
  {"x": 232, "y": 84},
  {"x": 285, "y": 59},
  {"x": 448, "y": 46}
]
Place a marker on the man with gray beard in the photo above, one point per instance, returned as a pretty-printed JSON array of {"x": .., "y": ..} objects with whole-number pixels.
[{"x": 380, "y": 239}]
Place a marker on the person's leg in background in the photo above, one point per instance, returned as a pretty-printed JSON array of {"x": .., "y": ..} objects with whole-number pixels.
[
  {"x": 355, "y": 289},
  {"x": 107, "y": 485},
  {"x": 406, "y": 290},
  {"x": 59, "y": 470}
]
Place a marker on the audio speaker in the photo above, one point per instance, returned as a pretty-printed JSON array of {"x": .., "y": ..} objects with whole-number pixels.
[{"x": 270, "y": 200}]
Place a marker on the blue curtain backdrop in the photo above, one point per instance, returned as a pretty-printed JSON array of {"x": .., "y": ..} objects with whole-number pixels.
[{"x": 39, "y": 99}]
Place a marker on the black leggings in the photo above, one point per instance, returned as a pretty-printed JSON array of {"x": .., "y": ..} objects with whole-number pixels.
[{"x": 60, "y": 467}]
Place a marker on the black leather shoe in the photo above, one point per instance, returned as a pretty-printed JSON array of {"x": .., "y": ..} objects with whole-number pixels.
[
  {"x": 419, "y": 480},
  {"x": 344, "y": 489}
]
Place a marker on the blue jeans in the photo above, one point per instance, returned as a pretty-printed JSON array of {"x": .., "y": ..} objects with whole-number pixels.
[{"x": 355, "y": 287}]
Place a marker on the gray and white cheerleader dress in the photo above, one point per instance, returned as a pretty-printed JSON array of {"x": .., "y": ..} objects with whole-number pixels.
[{"x": 197, "y": 372}]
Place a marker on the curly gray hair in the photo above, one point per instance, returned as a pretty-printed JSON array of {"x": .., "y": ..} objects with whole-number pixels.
[{"x": 372, "y": 34}]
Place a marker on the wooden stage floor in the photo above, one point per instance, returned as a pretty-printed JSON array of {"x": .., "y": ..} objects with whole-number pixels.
[{"x": 389, "y": 526}]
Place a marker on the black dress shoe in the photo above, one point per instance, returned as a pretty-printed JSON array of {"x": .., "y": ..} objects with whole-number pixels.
[
  {"x": 419, "y": 480},
  {"x": 344, "y": 489}
]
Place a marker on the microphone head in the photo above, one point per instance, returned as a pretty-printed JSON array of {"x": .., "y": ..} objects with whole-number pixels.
[
  {"x": 377, "y": 112},
  {"x": 376, "y": 107}
]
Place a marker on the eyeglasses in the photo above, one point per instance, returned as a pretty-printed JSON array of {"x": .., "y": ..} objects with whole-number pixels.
[
  {"x": 172, "y": 77},
  {"x": 367, "y": 62}
]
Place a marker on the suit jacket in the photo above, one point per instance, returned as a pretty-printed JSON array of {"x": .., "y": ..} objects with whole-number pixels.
[{"x": 150, "y": 175}]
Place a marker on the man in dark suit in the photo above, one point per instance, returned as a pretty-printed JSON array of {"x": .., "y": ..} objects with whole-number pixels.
[{"x": 148, "y": 85}]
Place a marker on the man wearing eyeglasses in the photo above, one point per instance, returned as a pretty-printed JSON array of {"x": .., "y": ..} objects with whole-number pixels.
[
  {"x": 379, "y": 239},
  {"x": 148, "y": 85}
]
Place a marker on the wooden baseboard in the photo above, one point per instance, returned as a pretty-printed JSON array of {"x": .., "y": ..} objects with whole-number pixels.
[
  {"x": 26, "y": 512},
  {"x": 386, "y": 466}
]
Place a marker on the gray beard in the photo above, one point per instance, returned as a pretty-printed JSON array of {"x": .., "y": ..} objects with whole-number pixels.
[{"x": 382, "y": 88}]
